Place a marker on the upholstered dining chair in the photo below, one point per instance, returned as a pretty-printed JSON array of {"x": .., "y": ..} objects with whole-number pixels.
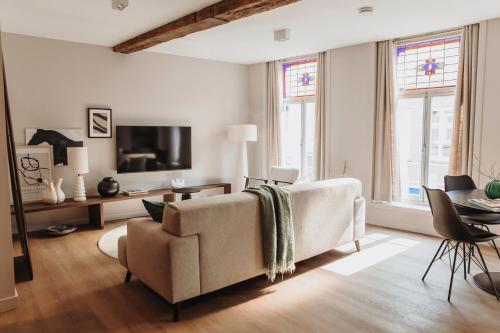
[
  {"x": 277, "y": 176},
  {"x": 454, "y": 229}
]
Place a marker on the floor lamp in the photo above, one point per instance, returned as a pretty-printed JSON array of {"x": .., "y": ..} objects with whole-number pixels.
[{"x": 242, "y": 134}]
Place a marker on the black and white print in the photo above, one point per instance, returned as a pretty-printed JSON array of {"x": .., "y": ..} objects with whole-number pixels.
[
  {"x": 59, "y": 139},
  {"x": 99, "y": 123},
  {"x": 34, "y": 164}
]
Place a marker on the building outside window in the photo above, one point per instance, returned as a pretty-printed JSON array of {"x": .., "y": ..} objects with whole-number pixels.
[
  {"x": 298, "y": 115},
  {"x": 426, "y": 75}
]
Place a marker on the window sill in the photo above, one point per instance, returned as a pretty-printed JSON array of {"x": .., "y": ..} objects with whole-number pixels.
[{"x": 421, "y": 209}]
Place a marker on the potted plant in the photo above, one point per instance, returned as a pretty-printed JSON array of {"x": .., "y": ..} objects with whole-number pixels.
[{"x": 492, "y": 188}]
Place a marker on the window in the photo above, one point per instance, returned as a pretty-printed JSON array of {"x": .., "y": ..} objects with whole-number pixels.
[
  {"x": 298, "y": 114},
  {"x": 426, "y": 75}
]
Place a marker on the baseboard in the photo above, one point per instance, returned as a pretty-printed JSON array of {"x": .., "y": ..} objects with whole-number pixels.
[{"x": 9, "y": 303}]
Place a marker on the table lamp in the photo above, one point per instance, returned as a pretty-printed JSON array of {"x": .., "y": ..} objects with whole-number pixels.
[
  {"x": 242, "y": 134},
  {"x": 78, "y": 161}
]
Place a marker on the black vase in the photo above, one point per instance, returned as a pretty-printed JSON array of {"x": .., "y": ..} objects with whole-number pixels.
[{"x": 108, "y": 187}]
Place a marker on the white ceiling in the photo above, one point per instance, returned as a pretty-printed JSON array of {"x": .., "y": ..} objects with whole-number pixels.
[{"x": 316, "y": 24}]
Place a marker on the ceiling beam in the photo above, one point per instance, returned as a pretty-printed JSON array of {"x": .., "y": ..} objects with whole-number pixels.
[{"x": 214, "y": 15}]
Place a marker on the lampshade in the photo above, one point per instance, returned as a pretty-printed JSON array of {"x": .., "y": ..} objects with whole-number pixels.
[
  {"x": 78, "y": 159},
  {"x": 242, "y": 133}
]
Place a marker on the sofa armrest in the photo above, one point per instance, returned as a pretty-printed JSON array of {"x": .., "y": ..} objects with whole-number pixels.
[
  {"x": 166, "y": 263},
  {"x": 359, "y": 217}
]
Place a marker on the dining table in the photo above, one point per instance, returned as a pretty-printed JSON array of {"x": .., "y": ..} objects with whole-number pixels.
[{"x": 462, "y": 199}]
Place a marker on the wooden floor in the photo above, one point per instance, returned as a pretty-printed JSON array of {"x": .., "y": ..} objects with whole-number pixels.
[{"x": 78, "y": 289}]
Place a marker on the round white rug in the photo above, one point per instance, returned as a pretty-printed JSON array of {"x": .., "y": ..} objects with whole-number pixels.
[{"x": 108, "y": 244}]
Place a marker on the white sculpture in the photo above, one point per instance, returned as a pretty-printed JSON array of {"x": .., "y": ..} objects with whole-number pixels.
[
  {"x": 59, "y": 192},
  {"x": 49, "y": 195}
]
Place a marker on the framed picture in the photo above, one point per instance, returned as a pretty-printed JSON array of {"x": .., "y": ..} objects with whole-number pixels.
[
  {"x": 99, "y": 123},
  {"x": 34, "y": 164},
  {"x": 59, "y": 139}
]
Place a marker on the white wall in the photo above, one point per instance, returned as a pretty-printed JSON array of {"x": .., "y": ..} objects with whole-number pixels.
[
  {"x": 51, "y": 84},
  {"x": 8, "y": 295}
]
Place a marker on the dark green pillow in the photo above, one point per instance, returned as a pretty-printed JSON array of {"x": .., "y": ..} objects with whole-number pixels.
[{"x": 155, "y": 209}]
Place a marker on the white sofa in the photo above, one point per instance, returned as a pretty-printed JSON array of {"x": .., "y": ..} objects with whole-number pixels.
[{"x": 209, "y": 243}]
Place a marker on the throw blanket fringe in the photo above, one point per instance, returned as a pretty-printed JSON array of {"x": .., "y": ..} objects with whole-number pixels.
[{"x": 278, "y": 240}]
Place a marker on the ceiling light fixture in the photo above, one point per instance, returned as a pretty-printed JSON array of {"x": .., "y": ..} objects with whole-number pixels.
[
  {"x": 282, "y": 35},
  {"x": 119, "y": 4},
  {"x": 365, "y": 10}
]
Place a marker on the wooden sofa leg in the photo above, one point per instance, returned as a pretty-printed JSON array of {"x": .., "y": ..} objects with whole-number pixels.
[
  {"x": 358, "y": 247},
  {"x": 176, "y": 308},
  {"x": 128, "y": 276}
]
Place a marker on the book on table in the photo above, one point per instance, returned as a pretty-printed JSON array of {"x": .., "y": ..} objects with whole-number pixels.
[{"x": 486, "y": 203}]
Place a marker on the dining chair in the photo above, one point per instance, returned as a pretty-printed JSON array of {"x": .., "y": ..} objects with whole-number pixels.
[
  {"x": 277, "y": 176},
  {"x": 473, "y": 216},
  {"x": 450, "y": 225}
]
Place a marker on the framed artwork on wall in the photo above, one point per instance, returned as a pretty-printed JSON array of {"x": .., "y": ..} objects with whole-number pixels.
[
  {"x": 59, "y": 139},
  {"x": 34, "y": 164},
  {"x": 99, "y": 123}
]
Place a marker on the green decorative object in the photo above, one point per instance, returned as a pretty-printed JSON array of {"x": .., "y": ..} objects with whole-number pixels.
[
  {"x": 492, "y": 189},
  {"x": 155, "y": 209}
]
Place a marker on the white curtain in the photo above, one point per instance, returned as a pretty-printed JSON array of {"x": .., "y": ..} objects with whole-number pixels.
[
  {"x": 386, "y": 174},
  {"x": 322, "y": 144},
  {"x": 462, "y": 144},
  {"x": 274, "y": 154}
]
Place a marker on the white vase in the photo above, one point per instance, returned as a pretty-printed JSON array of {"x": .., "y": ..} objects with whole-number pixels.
[
  {"x": 59, "y": 192},
  {"x": 49, "y": 195}
]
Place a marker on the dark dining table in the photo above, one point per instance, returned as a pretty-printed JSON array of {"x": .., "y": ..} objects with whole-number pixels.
[{"x": 462, "y": 199}]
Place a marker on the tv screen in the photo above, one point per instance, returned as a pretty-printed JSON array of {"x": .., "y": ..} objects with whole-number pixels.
[{"x": 152, "y": 148}]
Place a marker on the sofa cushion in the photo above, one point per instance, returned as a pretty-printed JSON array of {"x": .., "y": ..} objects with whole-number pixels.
[{"x": 155, "y": 209}]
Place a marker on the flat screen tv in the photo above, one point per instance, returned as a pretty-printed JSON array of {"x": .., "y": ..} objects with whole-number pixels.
[{"x": 152, "y": 148}]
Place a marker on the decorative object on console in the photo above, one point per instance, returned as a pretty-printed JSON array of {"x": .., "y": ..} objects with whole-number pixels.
[
  {"x": 177, "y": 183},
  {"x": 78, "y": 160},
  {"x": 186, "y": 192},
  {"x": 242, "y": 134},
  {"x": 60, "y": 194},
  {"x": 99, "y": 123},
  {"x": 60, "y": 230},
  {"x": 59, "y": 139},
  {"x": 136, "y": 191},
  {"x": 34, "y": 164},
  {"x": 108, "y": 187},
  {"x": 49, "y": 195},
  {"x": 155, "y": 209}
]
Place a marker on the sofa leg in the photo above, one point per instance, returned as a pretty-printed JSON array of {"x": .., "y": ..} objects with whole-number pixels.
[
  {"x": 128, "y": 276},
  {"x": 358, "y": 247},
  {"x": 176, "y": 308}
]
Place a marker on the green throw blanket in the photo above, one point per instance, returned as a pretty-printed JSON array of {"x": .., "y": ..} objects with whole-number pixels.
[{"x": 277, "y": 229}]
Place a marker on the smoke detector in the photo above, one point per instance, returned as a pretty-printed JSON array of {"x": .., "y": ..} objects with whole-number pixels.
[
  {"x": 119, "y": 4},
  {"x": 365, "y": 10},
  {"x": 281, "y": 35}
]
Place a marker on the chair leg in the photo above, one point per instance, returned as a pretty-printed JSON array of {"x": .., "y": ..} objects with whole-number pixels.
[
  {"x": 471, "y": 254},
  {"x": 433, "y": 259},
  {"x": 176, "y": 309},
  {"x": 358, "y": 246},
  {"x": 444, "y": 249},
  {"x": 487, "y": 271},
  {"x": 464, "y": 261},
  {"x": 128, "y": 276},
  {"x": 453, "y": 271},
  {"x": 495, "y": 247}
]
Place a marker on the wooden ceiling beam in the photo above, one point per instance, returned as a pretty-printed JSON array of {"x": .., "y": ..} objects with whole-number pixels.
[{"x": 219, "y": 13}]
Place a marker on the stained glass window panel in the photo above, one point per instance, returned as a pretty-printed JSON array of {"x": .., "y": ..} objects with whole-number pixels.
[
  {"x": 299, "y": 78},
  {"x": 429, "y": 64}
]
